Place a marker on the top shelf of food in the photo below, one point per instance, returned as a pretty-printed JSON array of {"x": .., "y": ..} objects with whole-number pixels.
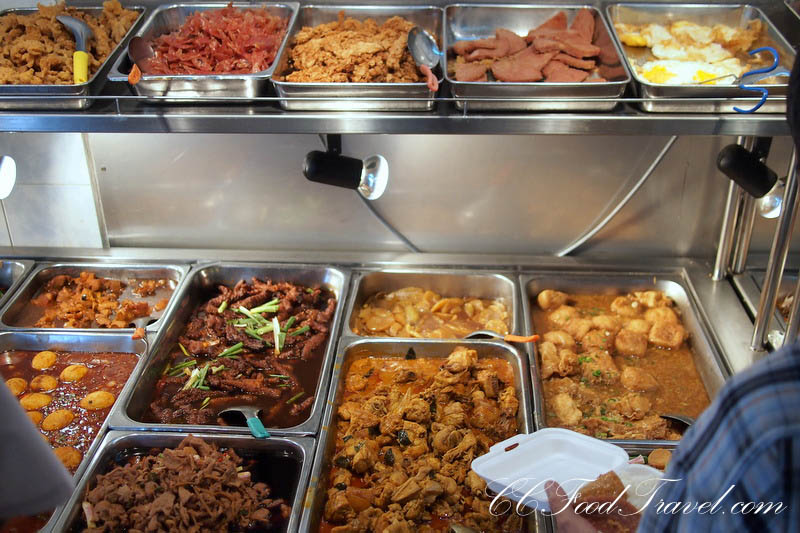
[{"x": 597, "y": 68}]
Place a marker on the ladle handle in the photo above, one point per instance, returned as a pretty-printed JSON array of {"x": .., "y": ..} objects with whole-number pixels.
[
  {"x": 80, "y": 67},
  {"x": 257, "y": 429}
]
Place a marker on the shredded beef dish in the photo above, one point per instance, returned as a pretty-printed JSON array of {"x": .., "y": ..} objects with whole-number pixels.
[
  {"x": 257, "y": 344},
  {"x": 406, "y": 434},
  {"x": 194, "y": 487}
]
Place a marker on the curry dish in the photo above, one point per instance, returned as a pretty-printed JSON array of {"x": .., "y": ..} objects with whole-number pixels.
[
  {"x": 416, "y": 312},
  {"x": 611, "y": 364},
  {"x": 407, "y": 431}
]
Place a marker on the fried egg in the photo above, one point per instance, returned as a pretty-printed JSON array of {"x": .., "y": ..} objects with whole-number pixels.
[{"x": 673, "y": 72}]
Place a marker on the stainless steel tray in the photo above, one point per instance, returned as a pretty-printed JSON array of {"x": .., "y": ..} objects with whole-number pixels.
[
  {"x": 454, "y": 283},
  {"x": 39, "y": 92},
  {"x": 80, "y": 342},
  {"x": 345, "y": 96},
  {"x": 203, "y": 278},
  {"x": 736, "y": 15},
  {"x": 749, "y": 284},
  {"x": 184, "y": 88},
  {"x": 43, "y": 272},
  {"x": 288, "y": 480},
  {"x": 475, "y": 21},
  {"x": 12, "y": 273},
  {"x": 710, "y": 365},
  {"x": 349, "y": 352}
]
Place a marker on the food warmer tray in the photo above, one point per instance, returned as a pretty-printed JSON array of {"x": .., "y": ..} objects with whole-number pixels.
[
  {"x": 749, "y": 285},
  {"x": 706, "y": 14},
  {"x": 12, "y": 273},
  {"x": 206, "y": 276},
  {"x": 92, "y": 87},
  {"x": 345, "y": 96},
  {"x": 707, "y": 357},
  {"x": 43, "y": 272},
  {"x": 186, "y": 88},
  {"x": 295, "y": 454},
  {"x": 80, "y": 342},
  {"x": 358, "y": 349},
  {"x": 474, "y": 21},
  {"x": 489, "y": 285}
]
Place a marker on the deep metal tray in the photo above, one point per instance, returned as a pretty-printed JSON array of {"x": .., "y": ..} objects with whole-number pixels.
[
  {"x": 42, "y": 273},
  {"x": 12, "y": 273},
  {"x": 92, "y": 87},
  {"x": 453, "y": 283},
  {"x": 80, "y": 342},
  {"x": 736, "y": 15},
  {"x": 202, "y": 279},
  {"x": 476, "y": 21},
  {"x": 440, "y": 349},
  {"x": 749, "y": 284},
  {"x": 184, "y": 88},
  {"x": 345, "y": 96},
  {"x": 288, "y": 480},
  {"x": 710, "y": 365}
]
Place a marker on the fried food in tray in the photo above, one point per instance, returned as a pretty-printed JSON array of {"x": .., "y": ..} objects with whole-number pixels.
[
  {"x": 37, "y": 49},
  {"x": 349, "y": 50},
  {"x": 67, "y": 395},
  {"x": 420, "y": 313},
  {"x": 407, "y": 431},
  {"x": 610, "y": 364},
  {"x": 552, "y": 52},
  {"x": 231, "y": 40},
  {"x": 686, "y": 53},
  {"x": 193, "y": 487},
  {"x": 87, "y": 301},
  {"x": 257, "y": 344}
]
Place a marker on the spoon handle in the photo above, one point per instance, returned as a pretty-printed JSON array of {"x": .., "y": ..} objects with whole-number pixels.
[
  {"x": 80, "y": 67},
  {"x": 257, "y": 429}
]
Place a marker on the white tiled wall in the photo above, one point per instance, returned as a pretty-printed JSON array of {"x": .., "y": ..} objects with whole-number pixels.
[{"x": 52, "y": 202}]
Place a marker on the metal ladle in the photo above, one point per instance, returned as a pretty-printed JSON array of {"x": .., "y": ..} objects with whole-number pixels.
[
  {"x": 486, "y": 333},
  {"x": 769, "y": 205},
  {"x": 139, "y": 52},
  {"x": 80, "y": 59},
  {"x": 684, "y": 420},
  {"x": 426, "y": 54},
  {"x": 250, "y": 413}
]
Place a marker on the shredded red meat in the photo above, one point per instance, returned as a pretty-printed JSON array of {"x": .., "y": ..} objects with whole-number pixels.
[{"x": 221, "y": 41}]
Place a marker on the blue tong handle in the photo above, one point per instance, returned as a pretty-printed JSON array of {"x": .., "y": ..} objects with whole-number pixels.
[{"x": 763, "y": 91}]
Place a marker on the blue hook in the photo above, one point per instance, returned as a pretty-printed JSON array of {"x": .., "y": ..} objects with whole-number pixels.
[{"x": 764, "y": 70}]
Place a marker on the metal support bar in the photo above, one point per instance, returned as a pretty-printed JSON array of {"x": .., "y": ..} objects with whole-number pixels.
[
  {"x": 727, "y": 232},
  {"x": 747, "y": 215},
  {"x": 777, "y": 258}
]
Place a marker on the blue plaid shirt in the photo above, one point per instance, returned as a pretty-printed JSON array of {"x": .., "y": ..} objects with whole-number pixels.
[{"x": 749, "y": 439}]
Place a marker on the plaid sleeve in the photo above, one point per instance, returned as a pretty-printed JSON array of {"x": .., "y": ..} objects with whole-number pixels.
[{"x": 744, "y": 448}]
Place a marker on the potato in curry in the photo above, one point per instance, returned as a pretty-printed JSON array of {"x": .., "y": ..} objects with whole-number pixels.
[{"x": 610, "y": 364}]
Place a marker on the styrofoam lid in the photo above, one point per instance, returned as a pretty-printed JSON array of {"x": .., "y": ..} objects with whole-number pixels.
[{"x": 519, "y": 467}]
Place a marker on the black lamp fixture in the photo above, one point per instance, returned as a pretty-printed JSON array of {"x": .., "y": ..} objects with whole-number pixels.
[
  {"x": 746, "y": 168},
  {"x": 369, "y": 177}
]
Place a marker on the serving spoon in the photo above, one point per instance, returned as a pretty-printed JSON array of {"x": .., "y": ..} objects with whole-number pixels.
[
  {"x": 250, "y": 413},
  {"x": 684, "y": 420},
  {"x": 425, "y": 53},
  {"x": 80, "y": 59},
  {"x": 486, "y": 333},
  {"x": 139, "y": 51}
]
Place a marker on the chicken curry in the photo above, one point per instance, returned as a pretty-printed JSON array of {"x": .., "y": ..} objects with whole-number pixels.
[
  {"x": 407, "y": 431},
  {"x": 611, "y": 364}
]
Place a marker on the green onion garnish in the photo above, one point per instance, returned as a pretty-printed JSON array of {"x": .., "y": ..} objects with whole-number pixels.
[
  {"x": 206, "y": 400},
  {"x": 295, "y": 397},
  {"x": 279, "y": 376},
  {"x": 300, "y": 331},
  {"x": 253, "y": 333},
  {"x": 264, "y": 329},
  {"x": 289, "y": 323},
  {"x": 222, "y": 307},
  {"x": 178, "y": 369},
  {"x": 248, "y": 314},
  {"x": 231, "y": 350},
  {"x": 276, "y": 329},
  {"x": 269, "y": 307},
  {"x": 282, "y": 339},
  {"x": 309, "y": 290},
  {"x": 183, "y": 349}
]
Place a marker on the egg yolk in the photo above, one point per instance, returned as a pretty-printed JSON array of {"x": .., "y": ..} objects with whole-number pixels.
[
  {"x": 702, "y": 75},
  {"x": 658, "y": 74},
  {"x": 633, "y": 39}
]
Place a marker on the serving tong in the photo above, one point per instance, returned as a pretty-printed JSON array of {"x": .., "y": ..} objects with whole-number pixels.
[{"x": 755, "y": 76}]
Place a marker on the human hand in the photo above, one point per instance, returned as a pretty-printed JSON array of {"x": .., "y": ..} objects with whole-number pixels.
[{"x": 561, "y": 508}]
